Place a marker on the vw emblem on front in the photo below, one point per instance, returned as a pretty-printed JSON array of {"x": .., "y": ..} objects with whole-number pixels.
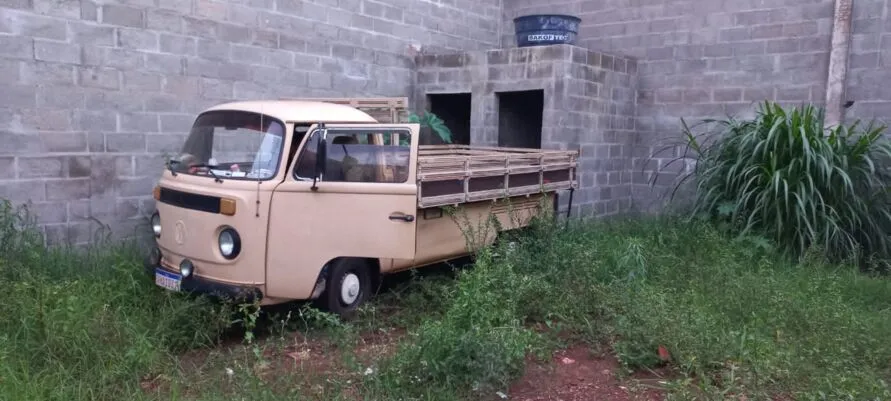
[{"x": 180, "y": 234}]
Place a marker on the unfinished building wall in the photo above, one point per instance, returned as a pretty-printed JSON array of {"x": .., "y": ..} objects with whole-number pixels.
[
  {"x": 707, "y": 58},
  {"x": 869, "y": 65},
  {"x": 96, "y": 92},
  {"x": 587, "y": 103}
]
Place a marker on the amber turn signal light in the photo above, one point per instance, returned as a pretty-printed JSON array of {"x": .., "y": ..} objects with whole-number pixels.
[
  {"x": 156, "y": 193},
  {"x": 227, "y": 206}
]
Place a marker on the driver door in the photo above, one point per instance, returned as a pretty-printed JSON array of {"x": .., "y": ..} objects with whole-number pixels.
[{"x": 363, "y": 205}]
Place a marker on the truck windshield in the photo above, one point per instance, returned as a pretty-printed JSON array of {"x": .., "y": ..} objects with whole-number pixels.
[{"x": 232, "y": 145}]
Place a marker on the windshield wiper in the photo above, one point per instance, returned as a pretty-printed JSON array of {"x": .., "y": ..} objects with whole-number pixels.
[{"x": 210, "y": 168}]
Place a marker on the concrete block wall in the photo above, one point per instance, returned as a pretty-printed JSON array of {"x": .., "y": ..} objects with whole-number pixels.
[
  {"x": 869, "y": 67},
  {"x": 95, "y": 92},
  {"x": 588, "y": 105},
  {"x": 708, "y": 58}
]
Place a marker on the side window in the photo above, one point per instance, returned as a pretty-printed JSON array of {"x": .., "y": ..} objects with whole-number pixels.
[
  {"x": 359, "y": 156},
  {"x": 306, "y": 162}
]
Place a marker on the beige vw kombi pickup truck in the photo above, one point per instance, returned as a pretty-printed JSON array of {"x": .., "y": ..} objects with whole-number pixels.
[{"x": 316, "y": 199}]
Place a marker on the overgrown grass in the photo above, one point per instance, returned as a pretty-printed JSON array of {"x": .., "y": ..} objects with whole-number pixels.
[
  {"x": 86, "y": 324},
  {"x": 735, "y": 315}
]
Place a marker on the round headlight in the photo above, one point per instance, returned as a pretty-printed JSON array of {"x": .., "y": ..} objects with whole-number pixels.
[
  {"x": 186, "y": 268},
  {"x": 156, "y": 224},
  {"x": 230, "y": 243}
]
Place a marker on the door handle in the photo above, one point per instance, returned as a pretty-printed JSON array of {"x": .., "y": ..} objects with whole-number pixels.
[{"x": 404, "y": 217}]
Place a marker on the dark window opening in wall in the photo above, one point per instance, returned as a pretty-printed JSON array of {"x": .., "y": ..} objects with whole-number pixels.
[
  {"x": 520, "y": 118},
  {"x": 454, "y": 110}
]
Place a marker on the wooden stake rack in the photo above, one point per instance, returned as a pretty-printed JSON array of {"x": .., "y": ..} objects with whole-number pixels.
[{"x": 453, "y": 174}]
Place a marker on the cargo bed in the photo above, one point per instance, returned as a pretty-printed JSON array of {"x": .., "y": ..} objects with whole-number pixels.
[{"x": 453, "y": 174}]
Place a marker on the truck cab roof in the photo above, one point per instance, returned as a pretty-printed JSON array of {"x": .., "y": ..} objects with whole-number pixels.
[{"x": 308, "y": 111}]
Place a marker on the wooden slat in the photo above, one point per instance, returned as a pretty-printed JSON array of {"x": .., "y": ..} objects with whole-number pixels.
[{"x": 464, "y": 163}]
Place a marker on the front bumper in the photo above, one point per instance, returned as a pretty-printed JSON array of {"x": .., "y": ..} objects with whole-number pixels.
[{"x": 202, "y": 286}]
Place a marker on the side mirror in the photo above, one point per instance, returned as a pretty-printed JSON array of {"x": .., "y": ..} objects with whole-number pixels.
[{"x": 321, "y": 158}]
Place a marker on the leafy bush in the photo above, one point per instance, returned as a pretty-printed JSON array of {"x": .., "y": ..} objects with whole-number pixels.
[
  {"x": 434, "y": 123},
  {"x": 783, "y": 175}
]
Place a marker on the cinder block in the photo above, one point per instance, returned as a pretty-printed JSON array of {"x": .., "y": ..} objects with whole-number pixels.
[
  {"x": 263, "y": 38},
  {"x": 176, "y": 44},
  {"x": 165, "y": 143},
  {"x": 210, "y": 9},
  {"x": 79, "y": 166},
  {"x": 90, "y": 34},
  {"x": 139, "y": 186},
  {"x": 61, "y": 142},
  {"x": 95, "y": 121},
  {"x": 113, "y": 14},
  {"x": 45, "y": 120},
  {"x": 138, "y": 39},
  {"x": 24, "y": 190},
  {"x": 319, "y": 80},
  {"x": 120, "y": 58},
  {"x": 41, "y": 167},
  {"x": 138, "y": 122},
  {"x": 125, "y": 142},
  {"x": 163, "y": 103},
  {"x": 57, "y": 52},
  {"x": 165, "y": 21},
  {"x": 200, "y": 27},
  {"x": 235, "y": 34},
  {"x": 141, "y": 81},
  {"x": 18, "y": 96},
  {"x": 176, "y": 123},
  {"x": 34, "y": 25},
  {"x": 248, "y": 54},
  {"x": 165, "y": 63},
  {"x": 108, "y": 100},
  {"x": 779, "y": 46},
  {"x": 214, "y": 50},
  {"x": 67, "y": 189},
  {"x": 49, "y": 212},
  {"x": 98, "y": 77},
  {"x": 7, "y": 168}
]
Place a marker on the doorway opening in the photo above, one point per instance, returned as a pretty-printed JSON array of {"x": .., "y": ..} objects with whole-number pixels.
[
  {"x": 454, "y": 110},
  {"x": 520, "y": 118}
]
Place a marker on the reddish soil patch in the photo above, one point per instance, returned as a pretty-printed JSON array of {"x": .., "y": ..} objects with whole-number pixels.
[
  {"x": 315, "y": 365},
  {"x": 574, "y": 374}
]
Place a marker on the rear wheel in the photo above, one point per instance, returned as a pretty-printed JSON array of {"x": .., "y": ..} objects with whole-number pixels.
[{"x": 348, "y": 286}]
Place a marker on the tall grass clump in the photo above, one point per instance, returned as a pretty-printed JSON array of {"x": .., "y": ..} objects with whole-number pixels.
[
  {"x": 785, "y": 176},
  {"x": 87, "y": 324},
  {"x": 734, "y": 316}
]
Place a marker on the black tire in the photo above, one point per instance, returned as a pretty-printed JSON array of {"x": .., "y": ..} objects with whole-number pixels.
[{"x": 353, "y": 273}]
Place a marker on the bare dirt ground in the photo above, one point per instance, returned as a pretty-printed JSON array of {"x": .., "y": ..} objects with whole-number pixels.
[
  {"x": 574, "y": 374},
  {"x": 570, "y": 374}
]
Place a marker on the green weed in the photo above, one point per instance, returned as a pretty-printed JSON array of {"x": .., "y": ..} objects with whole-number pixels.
[
  {"x": 86, "y": 323},
  {"x": 735, "y": 316},
  {"x": 785, "y": 176}
]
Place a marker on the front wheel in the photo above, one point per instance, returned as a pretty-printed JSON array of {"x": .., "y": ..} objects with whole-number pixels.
[{"x": 347, "y": 287}]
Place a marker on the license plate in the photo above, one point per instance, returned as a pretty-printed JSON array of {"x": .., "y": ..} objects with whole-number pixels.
[{"x": 167, "y": 280}]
